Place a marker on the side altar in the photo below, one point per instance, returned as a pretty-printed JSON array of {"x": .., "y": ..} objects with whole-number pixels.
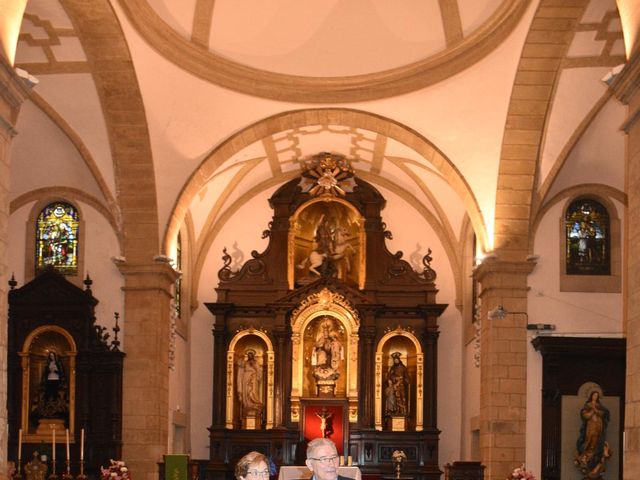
[{"x": 326, "y": 333}]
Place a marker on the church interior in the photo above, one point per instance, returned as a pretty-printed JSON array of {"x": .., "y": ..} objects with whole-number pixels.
[{"x": 408, "y": 227}]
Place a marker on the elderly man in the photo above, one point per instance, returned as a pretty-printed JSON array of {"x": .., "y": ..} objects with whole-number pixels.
[{"x": 323, "y": 460}]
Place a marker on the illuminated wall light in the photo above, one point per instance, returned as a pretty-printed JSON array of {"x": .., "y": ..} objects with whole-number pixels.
[
  {"x": 630, "y": 19},
  {"x": 11, "y": 12}
]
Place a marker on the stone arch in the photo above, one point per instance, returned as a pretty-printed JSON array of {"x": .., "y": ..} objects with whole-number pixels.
[
  {"x": 527, "y": 117},
  {"x": 106, "y": 49},
  {"x": 342, "y": 116},
  {"x": 192, "y": 57}
]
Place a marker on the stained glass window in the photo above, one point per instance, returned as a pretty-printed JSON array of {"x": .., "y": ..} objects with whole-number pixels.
[
  {"x": 588, "y": 238},
  {"x": 57, "y": 238}
]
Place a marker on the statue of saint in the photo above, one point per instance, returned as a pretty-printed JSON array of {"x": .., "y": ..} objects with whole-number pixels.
[
  {"x": 51, "y": 401},
  {"x": 592, "y": 449},
  {"x": 396, "y": 391},
  {"x": 328, "y": 352},
  {"x": 249, "y": 385}
]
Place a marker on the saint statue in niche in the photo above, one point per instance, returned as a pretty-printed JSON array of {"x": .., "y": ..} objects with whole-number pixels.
[
  {"x": 328, "y": 352},
  {"x": 396, "y": 390},
  {"x": 592, "y": 449},
  {"x": 249, "y": 385},
  {"x": 51, "y": 400}
]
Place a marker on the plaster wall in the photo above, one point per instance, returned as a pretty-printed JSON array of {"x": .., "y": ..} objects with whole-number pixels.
[{"x": 99, "y": 247}]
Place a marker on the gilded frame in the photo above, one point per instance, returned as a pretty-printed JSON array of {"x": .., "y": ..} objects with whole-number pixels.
[
  {"x": 324, "y": 303},
  {"x": 295, "y": 231},
  {"x": 231, "y": 376},
  {"x": 25, "y": 363},
  {"x": 419, "y": 387}
]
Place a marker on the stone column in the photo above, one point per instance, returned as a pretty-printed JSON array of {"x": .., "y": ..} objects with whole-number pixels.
[
  {"x": 503, "y": 380},
  {"x": 626, "y": 87},
  {"x": 146, "y": 365},
  {"x": 14, "y": 88}
]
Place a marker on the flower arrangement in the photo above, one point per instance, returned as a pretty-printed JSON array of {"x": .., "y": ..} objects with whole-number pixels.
[
  {"x": 116, "y": 471},
  {"x": 398, "y": 456},
  {"x": 521, "y": 474}
]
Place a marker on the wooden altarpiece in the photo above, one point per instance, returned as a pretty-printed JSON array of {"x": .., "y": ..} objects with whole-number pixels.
[
  {"x": 52, "y": 322},
  {"x": 328, "y": 333}
]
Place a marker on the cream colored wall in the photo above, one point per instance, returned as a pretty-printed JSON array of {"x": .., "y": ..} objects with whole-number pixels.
[
  {"x": 463, "y": 117},
  {"x": 39, "y": 147},
  {"x": 245, "y": 228},
  {"x": 100, "y": 246},
  {"x": 572, "y": 313}
]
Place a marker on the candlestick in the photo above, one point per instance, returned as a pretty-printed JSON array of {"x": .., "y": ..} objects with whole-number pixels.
[
  {"x": 82, "y": 444},
  {"x": 67, "y": 435},
  {"x": 82, "y": 476},
  {"x": 19, "y": 445},
  {"x": 17, "y": 475},
  {"x": 67, "y": 475},
  {"x": 53, "y": 446},
  {"x": 53, "y": 475}
]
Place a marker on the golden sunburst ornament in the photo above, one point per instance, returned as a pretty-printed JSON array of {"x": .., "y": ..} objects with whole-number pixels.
[{"x": 329, "y": 172}]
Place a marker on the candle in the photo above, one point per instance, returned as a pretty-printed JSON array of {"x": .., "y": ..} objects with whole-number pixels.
[
  {"x": 82, "y": 444},
  {"x": 67, "y": 434},
  {"x": 19, "y": 445},
  {"x": 53, "y": 444}
]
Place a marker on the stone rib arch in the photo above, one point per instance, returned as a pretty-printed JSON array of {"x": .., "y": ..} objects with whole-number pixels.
[
  {"x": 84, "y": 152},
  {"x": 602, "y": 192},
  {"x": 527, "y": 118},
  {"x": 340, "y": 116},
  {"x": 543, "y": 190},
  {"x": 192, "y": 57}
]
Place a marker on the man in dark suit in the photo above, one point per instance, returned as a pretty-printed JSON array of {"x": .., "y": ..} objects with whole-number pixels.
[{"x": 323, "y": 460}]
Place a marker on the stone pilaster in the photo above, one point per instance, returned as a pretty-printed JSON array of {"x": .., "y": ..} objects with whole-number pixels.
[
  {"x": 626, "y": 87},
  {"x": 503, "y": 380},
  {"x": 146, "y": 374},
  {"x": 14, "y": 88}
]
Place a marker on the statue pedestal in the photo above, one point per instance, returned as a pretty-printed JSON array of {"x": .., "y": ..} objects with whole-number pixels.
[
  {"x": 398, "y": 424},
  {"x": 45, "y": 425},
  {"x": 326, "y": 388},
  {"x": 250, "y": 422}
]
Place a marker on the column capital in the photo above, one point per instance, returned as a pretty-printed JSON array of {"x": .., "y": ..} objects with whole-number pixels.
[
  {"x": 148, "y": 276},
  {"x": 15, "y": 86},
  {"x": 627, "y": 82},
  {"x": 491, "y": 266}
]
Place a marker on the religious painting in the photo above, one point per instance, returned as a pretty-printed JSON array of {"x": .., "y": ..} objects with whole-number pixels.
[
  {"x": 590, "y": 434},
  {"x": 326, "y": 239},
  {"x": 587, "y": 238},
  {"x": 48, "y": 382}
]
